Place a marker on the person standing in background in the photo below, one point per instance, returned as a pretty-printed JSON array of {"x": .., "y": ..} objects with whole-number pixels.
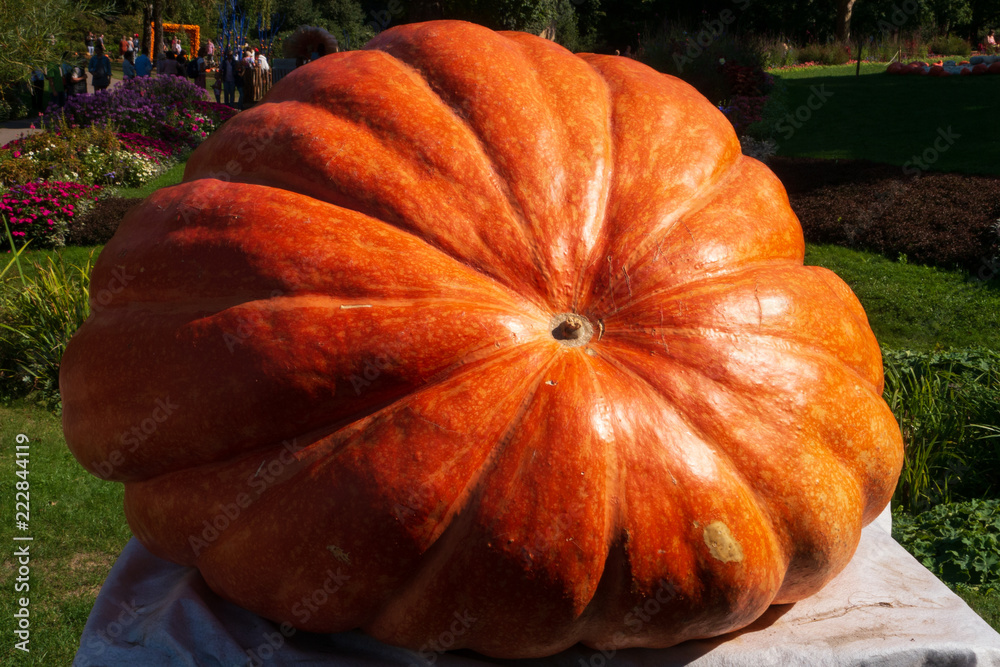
[
  {"x": 57, "y": 83},
  {"x": 128, "y": 67},
  {"x": 201, "y": 66},
  {"x": 37, "y": 92},
  {"x": 89, "y": 43},
  {"x": 261, "y": 60},
  {"x": 168, "y": 65},
  {"x": 77, "y": 77},
  {"x": 100, "y": 69},
  {"x": 228, "y": 69},
  {"x": 143, "y": 65}
]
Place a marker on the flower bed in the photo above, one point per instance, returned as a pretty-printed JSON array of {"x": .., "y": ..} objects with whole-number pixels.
[
  {"x": 947, "y": 220},
  {"x": 168, "y": 107},
  {"x": 43, "y": 211},
  {"x": 91, "y": 156},
  {"x": 125, "y": 136}
]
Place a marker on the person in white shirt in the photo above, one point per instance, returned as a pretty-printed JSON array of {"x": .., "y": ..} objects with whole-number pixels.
[{"x": 261, "y": 60}]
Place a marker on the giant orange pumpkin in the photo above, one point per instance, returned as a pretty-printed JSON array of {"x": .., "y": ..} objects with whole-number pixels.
[{"x": 464, "y": 328}]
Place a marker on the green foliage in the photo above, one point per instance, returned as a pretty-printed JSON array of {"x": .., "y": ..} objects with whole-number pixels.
[
  {"x": 556, "y": 19},
  {"x": 775, "y": 109},
  {"x": 823, "y": 54},
  {"x": 83, "y": 155},
  {"x": 959, "y": 542},
  {"x": 25, "y": 29},
  {"x": 949, "y": 45},
  {"x": 37, "y": 318},
  {"x": 675, "y": 50},
  {"x": 948, "y": 407}
]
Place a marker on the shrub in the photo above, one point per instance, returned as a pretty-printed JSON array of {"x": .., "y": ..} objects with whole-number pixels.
[
  {"x": 99, "y": 224},
  {"x": 41, "y": 211},
  {"x": 959, "y": 542},
  {"x": 675, "y": 51},
  {"x": 949, "y": 45},
  {"x": 823, "y": 54}
]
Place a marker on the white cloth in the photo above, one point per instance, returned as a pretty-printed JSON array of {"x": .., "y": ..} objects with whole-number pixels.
[{"x": 884, "y": 609}]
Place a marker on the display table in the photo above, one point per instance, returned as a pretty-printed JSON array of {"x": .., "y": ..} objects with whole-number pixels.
[{"x": 884, "y": 609}]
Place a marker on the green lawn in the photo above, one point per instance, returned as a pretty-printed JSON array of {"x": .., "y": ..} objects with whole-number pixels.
[
  {"x": 916, "y": 307},
  {"x": 78, "y": 528},
  {"x": 171, "y": 176},
  {"x": 892, "y": 119}
]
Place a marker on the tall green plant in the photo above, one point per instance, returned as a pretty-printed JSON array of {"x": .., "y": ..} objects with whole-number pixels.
[
  {"x": 922, "y": 402},
  {"x": 39, "y": 315},
  {"x": 948, "y": 407}
]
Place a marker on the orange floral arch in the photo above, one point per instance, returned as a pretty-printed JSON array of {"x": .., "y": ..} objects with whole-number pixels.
[{"x": 193, "y": 33}]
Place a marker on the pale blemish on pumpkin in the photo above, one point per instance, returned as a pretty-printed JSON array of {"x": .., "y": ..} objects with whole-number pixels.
[
  {"x": 339, "y": 554},
  {"x": 721, "y": 543}
]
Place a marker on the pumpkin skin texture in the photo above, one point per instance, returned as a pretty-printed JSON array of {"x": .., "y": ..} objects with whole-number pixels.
[{"x": 350, "y": 304}]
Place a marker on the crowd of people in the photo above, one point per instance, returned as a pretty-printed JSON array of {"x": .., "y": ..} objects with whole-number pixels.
[{"x": 234, "y": 79}]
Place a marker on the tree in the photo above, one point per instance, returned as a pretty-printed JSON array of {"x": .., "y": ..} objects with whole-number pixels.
[
  {"x": 27, "y": 28},
  {"x": 842, "y": 28}
]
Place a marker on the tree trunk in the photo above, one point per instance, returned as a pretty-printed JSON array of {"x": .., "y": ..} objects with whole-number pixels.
[
  {"x": 147, "y": 16},
  {"x": 157, "y": 28},
  {"x": 842, "y": 29}
]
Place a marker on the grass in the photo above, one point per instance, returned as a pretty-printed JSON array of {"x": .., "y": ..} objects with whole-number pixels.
[
  {"x": 916, "y": 307},
  {"x": 71, "y": 256},
  {"x": 171, "y": 176},
  {"x": 78, "y": 527},
  {"x": 987, "y": 605},
  {"x": 892, "y": 119}
]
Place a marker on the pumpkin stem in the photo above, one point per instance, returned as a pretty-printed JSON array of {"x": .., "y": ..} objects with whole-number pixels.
[{"x": 572, "y": 329}]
